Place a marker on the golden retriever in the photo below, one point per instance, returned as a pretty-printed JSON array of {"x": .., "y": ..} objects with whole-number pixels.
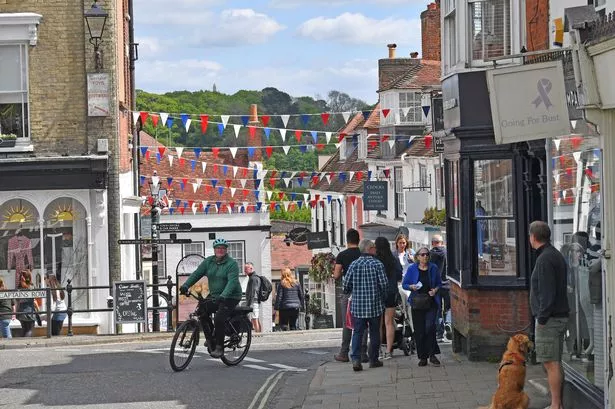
[{"x": 511, "y": 376}]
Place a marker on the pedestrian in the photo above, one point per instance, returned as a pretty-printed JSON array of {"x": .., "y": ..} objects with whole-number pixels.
[
  {"x": 392, "y": 269},
  {"x": 289, "y": 299},
  {"x": 252, "y": 291},
  {"x": 58, "y": 304},
  {"x": 549, "y": 305},
  {"x": 423, "y": 280},
  {"x": 437, "y": 255},
  {"x": 403, "y": 252},
  {"x": 27, "y": 307},
  {"x": 7, "y": 310},
  {"x": 342, "y": 263},
  {"x": 367, "y": 283}
]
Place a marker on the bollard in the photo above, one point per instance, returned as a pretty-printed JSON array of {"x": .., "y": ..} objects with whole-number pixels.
[
  {"x": 48, "y": 312},
  {"x": 69, "y": 309},
  {"x": 169, "y": 304}
]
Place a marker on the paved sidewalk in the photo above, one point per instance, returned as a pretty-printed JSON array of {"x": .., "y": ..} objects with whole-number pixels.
[{"x": 401, "y": 383}]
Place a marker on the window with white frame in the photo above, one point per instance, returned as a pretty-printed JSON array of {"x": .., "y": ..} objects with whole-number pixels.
[
  {"x": 194, "y": 248},
  {"x": 387, "y": 102},
  {"x": 362, "y": 145},
  {"x": 423, "y": 178},
  {"x": 490, "y": 29},
  {"x": 355, "y": 215},
  {"x": 162, "y": 264},
  {"x": 237, "y": 251},
  {"x": 450, "y": 35},
  {"x": 410, "y": 106},
  {"x": 399, "y": 193},
  {"x": 334, "y": 218},
  {"x": 14, "y": 114}
]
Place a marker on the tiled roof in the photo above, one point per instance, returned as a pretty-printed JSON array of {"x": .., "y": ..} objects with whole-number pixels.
[
  {"x": 422, "y": 75},
  {"x": 418, "y": 149},
  {"x": 292, "y": 256},
  {"x": 391, "y": 69},
  {"x": 373, "y": 121}
]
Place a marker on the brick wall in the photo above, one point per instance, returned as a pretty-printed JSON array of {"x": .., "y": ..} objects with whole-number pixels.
[
  {"x": 484, "y": 320},
  {"x": 430, "y": 32},
  {"x": 537, "y": 29}
]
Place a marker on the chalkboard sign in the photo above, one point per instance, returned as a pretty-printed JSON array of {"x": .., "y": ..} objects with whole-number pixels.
[
  {"x": 130, "y": 301},
  {"x": 375, "y": 195},
  {"x": 318, "y": 240},
  {"x": 322, "y": 322},
  {"x": 497, "y": 256}
]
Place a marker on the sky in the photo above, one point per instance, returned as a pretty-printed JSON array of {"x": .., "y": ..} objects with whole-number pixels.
[{"x": 302, "y": 47}]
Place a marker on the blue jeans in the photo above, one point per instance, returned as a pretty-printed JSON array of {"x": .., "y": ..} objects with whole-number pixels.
[
  {"x": 360, "y": 325},
  {"x": 5, "y": 330}
]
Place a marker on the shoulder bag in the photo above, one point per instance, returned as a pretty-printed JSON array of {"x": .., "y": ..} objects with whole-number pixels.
[{"x": 422, "y": 301}]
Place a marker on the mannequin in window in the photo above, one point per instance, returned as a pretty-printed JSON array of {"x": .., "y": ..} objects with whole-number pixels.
[
  {"x": 19, "y": 254},
  {"x": 481, "y": 227}
]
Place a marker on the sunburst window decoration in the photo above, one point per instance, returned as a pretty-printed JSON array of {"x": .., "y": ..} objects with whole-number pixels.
[
  {"x": 18, "y": 211},
  {"x": 61, "y": 212}
]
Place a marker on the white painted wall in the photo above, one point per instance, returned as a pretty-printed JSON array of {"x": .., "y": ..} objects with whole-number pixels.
[{"x": 127, "y": 231}]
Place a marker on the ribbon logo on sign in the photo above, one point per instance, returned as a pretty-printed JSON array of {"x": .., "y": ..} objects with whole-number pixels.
[{"x": 544, "y": 88}]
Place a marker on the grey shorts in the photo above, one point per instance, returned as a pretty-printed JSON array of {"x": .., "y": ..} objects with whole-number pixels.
[{"x": 549, "y": 341}]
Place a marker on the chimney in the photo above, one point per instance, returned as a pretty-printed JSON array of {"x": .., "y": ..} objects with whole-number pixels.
[
  {"x": 253, "y": 114},
  {"x": 392, "y": 48},
  {"x": 414, "y": 54},
  {"x": 430, "y": 32}
]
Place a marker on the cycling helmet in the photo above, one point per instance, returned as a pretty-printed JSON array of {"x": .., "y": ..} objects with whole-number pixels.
[{"x": 220, "y": 242}]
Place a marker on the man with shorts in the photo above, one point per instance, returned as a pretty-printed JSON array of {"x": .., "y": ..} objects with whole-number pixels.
[
  {"x": 549, "y": 305},
  {"x": 252, "y": 290}
]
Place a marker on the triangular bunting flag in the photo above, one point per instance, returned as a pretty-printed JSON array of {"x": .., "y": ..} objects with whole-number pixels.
[
  {"x": 283, "y": 134},
  {"x": 405, "y": 111},
  {"x": 135, "y": 117},
  {"x": 556, "y": 177},
  {"x": 233, "y": 190},
  {"x": 346, "y": 116},
  {"x": 298, "y": 135},
  {"x": 235, "y": 171},
  {"x": 164, "y": 117},
  {"x": 351, "y": 174},
  {"x": 366, "y": 115},
  {"x": 224, "y": 119},
  {"x": 269, "y": 193},
  {"x": 197, "y": 152},
  {"x": 426, "y": 110},
  {"x": 556, "y": 142},
  {"x": 573, "y": 122},
  {"x": 187, "y": 124},
  {"x": 243, "y": 183},
  {"x": 265, "y": 120},
  {"x": 325, "y": 118},
  {"x": 220, "y": 129},
  {"x": 171, "y": 160},
  {"x": 314, "y": 136},
  {"x": 179, "y": 151},
  {"x": 286, "y": 181},
  {"x": 285, "y": 119},
  {"x": 143, "y": 150},
  {"x": 385, "y": 112},
  {"x": 305, "y": 118},
  {"x": 268, "y": 151},
  {"x": 251, "y": 151},
  {"x": 215, "y": 152},
  {"x": 244, "y": 120},
  {"x": 285, "y": 205},
  {"x": 252, "y": 131},
  {"x": 170, "y": 122},
  {"x": 328, "y": 136},
  {"x": 155, "y": 119},
  {"x": 286, "y": 148},
  {"x": 142, "y": 180},
  {"x": 204, "y": 166},
  {"x": 204, "y": 121},
  {"x": 577, "y": 156},
  {"x": 236, "y": 128},
  {"x": 233, "y": 151},
  {"x": 267, "y": 133}
]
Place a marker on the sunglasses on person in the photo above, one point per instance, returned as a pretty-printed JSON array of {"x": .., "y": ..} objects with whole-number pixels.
[{"x": 423, "y": 254}]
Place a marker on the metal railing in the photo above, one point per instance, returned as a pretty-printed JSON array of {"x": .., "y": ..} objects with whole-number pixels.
[{"x": 601, "y": 29}]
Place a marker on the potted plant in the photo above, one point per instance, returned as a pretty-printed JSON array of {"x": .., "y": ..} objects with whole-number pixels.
[{"x": 7, "y": 140}]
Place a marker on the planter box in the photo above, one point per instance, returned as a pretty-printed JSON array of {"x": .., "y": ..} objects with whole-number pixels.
[{"x": 7, "y": 143}]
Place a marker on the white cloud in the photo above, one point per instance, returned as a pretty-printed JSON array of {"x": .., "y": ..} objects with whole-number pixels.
[
  {"x": 297, "y": 3},
  {"x": 148, "y": 46},
  {"x": 177, "y": 12},
  {"x": 238, "y": 27},
  {"x": 355, "y": 28},
  {"x": 189, "y": 74}
]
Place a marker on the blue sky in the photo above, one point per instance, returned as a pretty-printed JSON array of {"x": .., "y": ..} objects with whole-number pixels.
[{"x": 303, "y": 47}]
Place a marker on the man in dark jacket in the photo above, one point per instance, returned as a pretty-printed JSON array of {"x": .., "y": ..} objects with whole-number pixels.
[
  {"x": 252, "y": 290},
  {"x": 549, "y": 305},
  {"x": 437, "y": 255}
]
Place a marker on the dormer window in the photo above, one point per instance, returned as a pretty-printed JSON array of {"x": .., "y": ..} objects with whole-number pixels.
[
  {"x": 490, "y": 29},
  {"x": 410, "y": 107}
]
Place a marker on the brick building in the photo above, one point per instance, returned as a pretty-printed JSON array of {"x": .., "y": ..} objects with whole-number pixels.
[{"x": 60, "y": 190}]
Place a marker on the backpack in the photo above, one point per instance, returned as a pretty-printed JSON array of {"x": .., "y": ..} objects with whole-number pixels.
[{"x": 264, "y": 289}]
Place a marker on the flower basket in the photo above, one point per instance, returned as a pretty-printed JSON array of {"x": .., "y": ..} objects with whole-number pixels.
[
  {"x": 7, "y": 140},
  {"x": 322, "y": 267}
]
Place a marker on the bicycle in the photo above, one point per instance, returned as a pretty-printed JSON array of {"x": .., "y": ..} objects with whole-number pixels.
[{"x": 238, "y": 337}]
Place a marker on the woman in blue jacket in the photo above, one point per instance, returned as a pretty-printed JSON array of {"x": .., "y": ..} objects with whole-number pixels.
[{"x": 423, "y": 280}]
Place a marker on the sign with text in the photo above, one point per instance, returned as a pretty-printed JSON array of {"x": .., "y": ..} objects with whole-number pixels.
[
  {"x": 98, "y": 94},
  {"x": 438, "y": 144},
  {"x": 130, "y": 301},
  {"x": 375, "y": 195},
  {"x": 7, "y": 295},
  {"x": 318, "y": 240},
  {"x": 528, "y": 102},
  {"x": 174, "y": 227}
]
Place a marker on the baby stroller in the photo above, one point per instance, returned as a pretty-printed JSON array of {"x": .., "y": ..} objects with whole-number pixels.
[{"x": 403, "y": 325}]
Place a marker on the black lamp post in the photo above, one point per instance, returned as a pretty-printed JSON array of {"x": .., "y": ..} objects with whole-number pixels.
[
  {"x": 156, "y": 194},
  {"x": 96, "y": 18}
]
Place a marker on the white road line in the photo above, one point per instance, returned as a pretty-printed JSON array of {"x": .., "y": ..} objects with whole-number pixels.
[
  {"x": 154, "y": 351},
  {"x": 253, "y": 360},
  {"x": 273, "y": 383},
  {"x": 288, "y": 368},
  {"x": 261, "y": 389},
  {"x": 261, "y": 368}
]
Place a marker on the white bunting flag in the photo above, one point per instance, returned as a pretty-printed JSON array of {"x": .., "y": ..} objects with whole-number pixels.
[
  {"x": 155, "y": 180},
  {"x": 565, "y": 193},
  {"x": 243, "y": 183},
  {"x": 283, "y": 134},
  {"x": 194, "y": 208},
  {"x": 286, "y": 148},
  {"x": 285, "y": 205},
  {"x": 328, "y": 176},
  {"x": 195, "y": 187},
  {"x": 346, "y": 116},
  {"x": 233, "y": 151},
  {"x": 188, "y": 122},
  {"x": 230, "y": 209},
  {"x": 204, "y": 165},
  {"x": 328, "y": 136},
  {"x": 405, "y": 111},
  {"x": 269, "y": 193},
  {"x": 559, "y": 200},
  {"x": 292, "y": 175},
  {"x": 577, "y": 156},
  {"x": 235, "y": 171},
  {"x": 351, "y": 175},
  {"x": 171, "y": 160},
  {"x": 236, "y": 128},
  {"x": 556, "y": 177},
  {"x": 262, "y": 174},
  {"x": 233, "y": 190},
  {"x": 204, "y": 202},
  {"x": 337, "y": 146},
  {"x": 285, "y": 119},
  {"x": 215, "y": 207},
  {"x": 557, "y": 142},
  {"x": 163, "y": 118},
  {"x": 245, "y": 205},
  {"x": 224, "y": 119},
  {"x": 179, "y": 151},
  {"x": 306, "y": 197},
  {"x": 573, "y": 122},
  {"x": 391, "y": 143},
  {"x": 135, "y": 117},
  {"x": 286, "y": 181}
]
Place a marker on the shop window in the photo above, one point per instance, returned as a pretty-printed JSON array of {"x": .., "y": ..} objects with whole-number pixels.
[
  {"x": 14, "y": 118},
  {"x": 455, "y": 262},
  {"x": 20, "y": 241},
  {"x": 494, "y": 221},
  {"x": 576, "y": 231},
  {"x": 490, "y": 29},
  {"x": 66, "y": 246}
]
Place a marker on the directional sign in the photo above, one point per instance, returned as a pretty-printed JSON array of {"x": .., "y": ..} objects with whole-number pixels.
[
  {"x": 174, "y": 227},
  {"x": 159, "y": 241},
  {"x": 22, "y": 294}
]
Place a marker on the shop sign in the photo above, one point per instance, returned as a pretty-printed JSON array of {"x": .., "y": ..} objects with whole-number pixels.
[
  {"x": 318, "y": 240},
  {"x": 130, "y": 301},
  {"x": 98, "y": 94},
  {"x": 375, "y": 195},
  {"x": 528, "y": 102}
]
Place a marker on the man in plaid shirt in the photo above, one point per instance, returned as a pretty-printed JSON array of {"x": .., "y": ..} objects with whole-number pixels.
[{"x": 367, "y": 283}]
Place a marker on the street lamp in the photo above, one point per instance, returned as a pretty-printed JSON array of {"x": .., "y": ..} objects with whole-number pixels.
[
  {"x": 96, "y": 18},
  {"x": 156, "y": 194}
]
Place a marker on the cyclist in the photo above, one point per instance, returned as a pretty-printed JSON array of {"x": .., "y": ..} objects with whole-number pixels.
[{"x": 225, "y": 292}]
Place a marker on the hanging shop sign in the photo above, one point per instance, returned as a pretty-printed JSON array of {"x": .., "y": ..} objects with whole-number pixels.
[
  {"x": 528, "y": 102},
  {"x": 375, "y": 195},
  {"x": 98, "y": 94}
]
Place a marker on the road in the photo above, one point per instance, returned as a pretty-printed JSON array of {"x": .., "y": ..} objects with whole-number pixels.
[{"x": 137, "y": 375}]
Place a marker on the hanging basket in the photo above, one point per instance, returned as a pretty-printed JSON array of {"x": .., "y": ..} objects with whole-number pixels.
[{"x": 322, "y": 267}]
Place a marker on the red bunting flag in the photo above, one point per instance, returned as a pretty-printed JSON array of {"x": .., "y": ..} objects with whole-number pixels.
[
  {"x": 273, "y": 173},
  {"x": 182, "y": 162},
  {"x": 569, "y": 171},
  {"x": 252, "y": 131},
  {"x": 320, "y": 146},
  {"x": 184, "y": 181},
  {"x": 312, "y": 203},
  {"x": 269, "y": 151},
  {"x": 244, "y": 172},
  {"x": 322, "y": 203},
  {"x": 201, "y": 207},
  {"x": 215, "y": 168},
  {"x": 265, "y": 120},
  {"x": 325, "y": 118},
  {"x": 150, "y": 200},
  {"x": 373, "y": 144},
  {"x": 147, "y": 154},
  {"x": 317, "y": 197},
  {"x": 161, "y": 150},
  {"x": 385, "y": 112},
  {"x": 272, "y": 206},
  {"x": 232, "y": 204},
  {"x": 428, "y": 140},
  {"x": 359, "y": 176},
  {"x": 387, "y": 173},
  {"x": 562, "y": 160},
  {"x": 272, "y": 182},
  {"x": 155, "y": 119},
  {"x": 302, "y": 174},
  {"x": 589, "y": 173},
  {"x": 246, "y": 192},
  {"x": 281, "y": 196},
  {"x": 190, "y": 203},
  {"x": 298, "y": 135},
  {"x": 353, "y": 199},
  {"x": 315, "y": 180},
  {"x": 208, "y": 188},
  {"x": 228, "y": 182},
  {"x": 384, "y": 138},
  {"x": 182, "y": 210},
  {"x": 143, "y": 115},
  {"x": 576, "y": 142},
  {"x": 341, "y": 137},
  {"x": 215, "y": 152},
  {"x": 204, "y": 121}
]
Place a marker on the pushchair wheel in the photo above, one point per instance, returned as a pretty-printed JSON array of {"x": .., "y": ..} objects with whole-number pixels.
[{"x": 406, "y": 346}]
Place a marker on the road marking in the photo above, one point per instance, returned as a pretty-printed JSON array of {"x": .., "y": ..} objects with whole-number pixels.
[
  {"x": 261, "y": 368},
  {"x": 253, "y": 360},
  {"x": 317, "y": 352},
  {"x": 273, "y": 383},
  {"x": 289, "y": 368},
  {"x": 154, "y": 351},
  {"x": 275, "y": 375}
]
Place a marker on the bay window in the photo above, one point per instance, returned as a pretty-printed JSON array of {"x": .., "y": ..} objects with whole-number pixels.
[
  {"x": 490, "y": 29},
  {"x": 449, "y": 51},
  {"x": 410, "y": 107},
  {"x": 14, "y": 118}
]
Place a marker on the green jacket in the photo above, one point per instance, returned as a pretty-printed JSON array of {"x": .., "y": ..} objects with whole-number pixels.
[{"x": 222, "y": 277}]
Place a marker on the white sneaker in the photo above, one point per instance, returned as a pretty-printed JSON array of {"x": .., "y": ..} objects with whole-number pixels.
[{"x": 387, "y": 355}]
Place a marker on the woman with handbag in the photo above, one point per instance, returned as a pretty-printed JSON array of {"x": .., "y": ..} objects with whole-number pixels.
[
  {"x": 289, "y": 299},
  {"x": 393, "y": 270},
  {"x": 26, "y": 307},
  {"x": 423, "y": 280}
]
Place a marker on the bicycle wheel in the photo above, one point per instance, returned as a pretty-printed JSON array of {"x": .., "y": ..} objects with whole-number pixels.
[
  {"x": 237, "y": 344},
  {"x": 184, "y": 344}
]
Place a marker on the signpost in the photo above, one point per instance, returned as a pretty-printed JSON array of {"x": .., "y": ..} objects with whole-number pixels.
[
  {"x": 130, "y": 301},
  {"x": 150, "y": 241},
  {"x": 174, "y": 227},
  {"x": 375, "y": 195},
  {"x": 438, "y": 144}
]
